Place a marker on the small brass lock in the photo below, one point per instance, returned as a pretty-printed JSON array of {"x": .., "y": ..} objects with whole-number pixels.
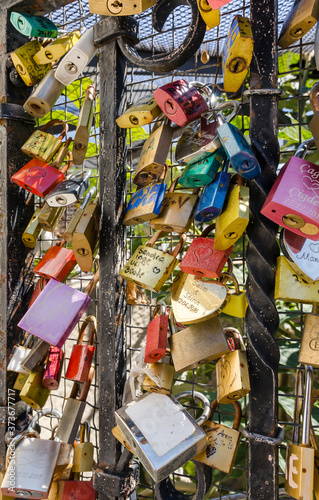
[
  {"x": 119, "y": 7},
  {"x": 290, "y": 286},
  {"x": 49, "y": 217},
  {"x": 43, "y": 146},
  {"x": 33, "y": 392},
  {"x": 159, "y": 376},
  {"x": 83, "y": 451},
  {"x": 68, "y": 233},
  {"x": 309, "y": 346},
  {"x": 56, "y": 49},
  {"x": 237, "y": 304},
  {"x": 144, "y": 111},
  {"x": 86, "y": 236},
  {"x": 83, "y": 128},
  {"x": 302, "y": 17}
]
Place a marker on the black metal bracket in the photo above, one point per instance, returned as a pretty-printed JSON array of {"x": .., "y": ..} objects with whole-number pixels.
[
  {"x": 116, "y": 484},
  {"x": 111, "y": 28},
  {"x": 10, "y": 111}
]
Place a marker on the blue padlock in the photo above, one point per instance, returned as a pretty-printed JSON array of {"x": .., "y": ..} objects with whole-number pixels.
[
  {"x": 145, "y": 204},
  {"x": 237, "y": 149},
  {"x": 213, "y": 196},
  {"x": 204, "y": 171}
]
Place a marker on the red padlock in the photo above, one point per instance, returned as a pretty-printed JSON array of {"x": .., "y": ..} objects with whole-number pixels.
[
  {"x": 181, "y": 101},
  {"x": 82, "y": 355},
  {"x": 39, "y": 177},
  {"x": 53, "y": 369},
  {"x": 38, "y": 289},
  {"x": 77, "y": 490},
  {"x": 156, "y": 335},
  {"x": 201, "y": 259},
  {"x": 57, "y": 263}
]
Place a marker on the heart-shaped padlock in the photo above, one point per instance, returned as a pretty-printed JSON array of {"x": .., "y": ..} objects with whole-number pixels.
[
  {"x": 194, "y": 300},
  {"x": 302, "y": 253}
]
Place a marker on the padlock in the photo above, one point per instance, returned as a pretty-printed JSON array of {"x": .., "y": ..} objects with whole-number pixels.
[
  {"x": 144, "y": 111},
  {"x": 309, "y": 347},
  {"x": 159, "y": 376},
  {"x": 204, "y": 171},
  {"x": 216, "y": 4},
  {"x": 292, "y": 201},
  {"x": 62, "y": 153},
  {"x": 302, "y": 17},
  {"x": 290, "y": 286},
  {"x": 56, "y": 311},
  {"x": 299, "y": 476},
  {"x": 153, "y": 156},
  {"x": 33, "y": 392},
  {"x": 181, "y": 101},
  {"x": 83, "y": 451},
  {"x": 49, "y": 217},
  {"x": 156, "y": 335},
  {"x": 36, "y": 355},
  {"x": 201, "y": 259},
  {"x": 232, "y": 375},
  {"x": 76, "y": 60},
  {"x": 149, "y": 267},
  {"x": 43, "y": 146},
  {"x": 19, "y": 354},
  {"x": 73, "y": 411},
  {"x": 177, "y": 210},
  {"x": 22, "y": 58},
  {"x": 53, "y": 368},
  {"x": 44, "y": 96},
  {"x": 76, "y": 489},
  {"x": 237, "y": 304},
  {"x": 234, "y": 218},
  {"x": 119, "y": 8},
  {"x": 68, "y": 233},
  {"x": 237, "y": 53},
  {"x": 38, "y": 177},
  {"x": 213, "y": 196},
  {"x": 222, "y": 441},
  {"x": 82, "y": 354},
  {"x": 83, "y": 128},
  {"x": 198, "y": 344},
  {"x": 57, "y": 263},
  {"x": 86, "y": 236},
  {"x": 70, "y": 190},
  {"x": 118, "y": 434},
  {"x": 210, "y": 16},
  {"x": 237, "y": 148},
  {"x": 161, "y": 432},
  {"x": 20, "y": 381},
  {"x": 146, "y": 202},
  {"x": 302, "y": 254},
  {"x": 38, "y": 26},
  {"x": 56, "y": 49},
  {"x": 32, "y": 231},
  {"x": 194, "y": 300}
]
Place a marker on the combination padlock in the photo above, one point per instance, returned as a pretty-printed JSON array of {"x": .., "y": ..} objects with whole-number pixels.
[
  {"x": 38, "y": 26},
  {"x": 49, "y": 217},
  {"x": 86, "y": 236},
  {"x": 119, "y": 8},
  {"x": 57, "y": 263},
  {"x": 210, "y": 16},
  {"x": 144, "y": 111},
  {"x": 82, "y": 354},
  {"x": 68, "y": 233},
  {"x": 156, "y": 335},
  {"x": 43, "y": 146},
  {"x": 56, "y": 49},
  {"x": 290, "y": 286},
  {"x": 302, "y": 254},
  {"x": 83, "y": 451},
  {"x": 159, "y": 376},
  {"x": 22, "y": 58},
  {"x": 83, "y": 128},
  {"x": 44, "y": 96},
  {"x": 293, "y": 201},
  {"x": 70, "y": 190},
  {"x": 302, "y": 17},
  {"x": 204, "y": 171},
  {"x": 32, "y": 231},
  {"x": 53, "y": 368}
]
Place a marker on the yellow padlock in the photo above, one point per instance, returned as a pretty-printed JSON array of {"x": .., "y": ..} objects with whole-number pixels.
[
  {"x": 32, "y": 231},
  {"x": 159, "y": 376},
  {"x": 118, "y": 434},
  {"x": 237, "y": 53},
  {"x": 23, "y": 60},
  {"x": 49, "y": 217},
  {"x": 141, "y": 113},
  {"x": 20, "y": 381},
  {"x": 237, "y": 304},
  {"x": 83, "y": 128},
  {"x": 119, "y": 7},
  {"x": 33, "y": 393},
  {"x": 86, "y": 236},
  {"x": 210, "y": 17},
  {"x": 290, "y": 286},
  {"x": 56, "y": 49},
  {"x": 302, "y": 17},
  {"x": 44, "y": 146}
]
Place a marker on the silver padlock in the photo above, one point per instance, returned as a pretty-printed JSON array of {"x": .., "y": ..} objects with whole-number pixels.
[
  {"x": 19, "y": 354},
  {"x": 44, "y": 96},
  {"x": 70, "y": 190},
  {"x": 162, "y": 434}
]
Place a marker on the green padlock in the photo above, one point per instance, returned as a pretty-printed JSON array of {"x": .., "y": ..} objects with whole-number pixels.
[
  {"x": 204, "y": 171},
  {"x": 37, "y": 26}
]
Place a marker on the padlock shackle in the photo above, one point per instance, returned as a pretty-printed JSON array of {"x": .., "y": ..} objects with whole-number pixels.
[
  {"x": 205, "y": 87},
  {"x": 49, "y": 124},
  {"x": 238, "y": 413},
  {"x": 90, "y": 93},
  {"x": 237, "y": 179},
  {"x": 306, "y": 414},
  {"x": 154, "y": 238},
  {"x": 88, "y": 197},
  {"x": 45, "y": 412},
  {"x": 86, "y": 385},
  {"x": 235, "y": 335},
  {"x": 298, "y": 404},
  {"x": 226, "y": 276},
  {"x": 85, "y": 430},
  {"x": 197, "y": 395},
  {"x": 174, "y": 184},
  {"x": 69, "y": 154},
  {"x": 17, "y": 440},
  {"x": 92, "y": 284},
  {"x": 179, "y": 246},
  {"x": 225, "y": 105},
  {"x": 163, "y": 174},
  {"x": 90, "y": 321},
  {"x": 27, "y": 341},
  {"x": 314, "y": 97},
  {"x": 303, "y": 148},
  {"x": 160, "y": 309},
  {"x": 207, "y": 230}
]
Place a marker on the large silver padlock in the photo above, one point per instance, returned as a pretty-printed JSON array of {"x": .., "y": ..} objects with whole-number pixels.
[
  {"x": 161, "y": 432},
  {"x": 70, "y": 190}
]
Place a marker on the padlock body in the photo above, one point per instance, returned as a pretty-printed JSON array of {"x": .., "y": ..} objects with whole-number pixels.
[
  {"x": 38, "y": 177},
  {"x": 56, "y": 49},
  {"x": 38, "y": 26},
  {"x": 20, "y": 381},
  {"x": 86, "y": 237},
  {"x": 204, "y": 171},
  {"x": 80, "y": 362},
  {"x": 33, "y": 392},
  {"x": 141, "y": 113},
  {"x": 302, "y": 254},
  {"x": 53, "y": 369},
  {"x": 32, "y": 231},
  {"x": 293, "y": 202},
  {"x": 232, "y": 377},
  {"x": 302, "y": 17},
  {"x": 77, "y": 490},
  {"x": 289, "y": 286},
  {"x": 38, "y": 352},
  {"x": 299, "y": 477},
  {"x": 309, "y": 347},
  {"x": 83, "y": 130},
  {"x": 195, "y": 144},
  {"x": 125, "y": 8},
  {"x": 18, "y": 356},
  {"x": 67, "y": 192},
  {"x": 232, "y": 222},
  {"x": 161, "y": 379},
  {"x": 70, "y": 421},
  {"x": 83, "y": 457},
  {"x": 180, "y": 101},
  {"x": 54, "y": 314},
  {"x": 216, "y": 4},
  {"x": 210, "y": 17},
  {"x": 145, "y": 204},
  {"x": 22, "y": 58},
  {"x": 237, "y": 304},
  {"x": 41, "y": 146},
  {"x": 202, "y": 260},
  {"x": 222, "y": 445},
  {"x": 212, "y": 198},
  {"x": 49, "y": 217},
  {"x": 198, "y": 344},
  {"x": 57, "y": 263},
  {"x": 176, "y": 212},
  {"x": 156, "y": 339},
  {"x": 118, "y": 434},
  {"x": 149, "y": 268}
]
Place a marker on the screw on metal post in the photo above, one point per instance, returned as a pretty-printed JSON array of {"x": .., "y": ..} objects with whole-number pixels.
[{"x": 260, "y": 438}]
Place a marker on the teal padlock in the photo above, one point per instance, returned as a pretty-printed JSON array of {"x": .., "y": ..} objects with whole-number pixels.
[
  {"x": 38, "y": 26},
  {"x": 204, "y": 171}
]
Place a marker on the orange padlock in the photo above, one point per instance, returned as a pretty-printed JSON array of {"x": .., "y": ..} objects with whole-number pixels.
[
  {"x": 156, "y": 335},
  {"x": 57, "y": 263},
  {"x": 81, "y": 357}
]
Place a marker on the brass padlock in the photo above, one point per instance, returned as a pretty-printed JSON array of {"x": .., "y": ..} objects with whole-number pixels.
[
  {"x": 232, "y": 375},
  {"x": 49, "y": 217},
  {"x": 309, "y": 346},
  {"x": 20, "y": 381},
  {"x": 144, "y": 111},
  {"x": 118, "y": 434},
  {"x": 222, "y": 442},
  {"x": 33, "y": 392},
  {"x": 37, "y": 354},
  {"x": 22, "y": 58},
  {"x": 86, "y": 236},
  {"x": 290, "y": 286},
  {"x": 314, "y": 444},
  {"x": 43, "y": 146},
  {"x": 83, "y": 451},
  {"x": 56, "y": 49},
  {"x": 302, "y": 17},
  {"x": 68, "y": 233},
  {"x": 153, "y": 156},
  {"x": 177, "y": 210},
  {"x": 83, "y": 128},
  {"x": 210, "y": 16},
  {"x": 237, "y": 304},
  {"x": 44, "y": 96},
  {"x": 33, "y": 230},
  {"x": 159, "y": 376},
  {"x": 119, "y": 7}
]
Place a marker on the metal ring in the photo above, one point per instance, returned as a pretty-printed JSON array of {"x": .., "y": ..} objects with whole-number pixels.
[
  {"x": 252, "y": 92},
  {"x": 225, "y": 105},
  {"x": 44, "y": 412},
  {"x": 197, "y": 395},
  {"x": 260, "y": 438}
]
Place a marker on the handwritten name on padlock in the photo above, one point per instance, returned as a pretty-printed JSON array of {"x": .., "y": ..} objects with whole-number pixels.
[
  {"x": 145, "y": 262},
  {"x": 304, "y": 254}
]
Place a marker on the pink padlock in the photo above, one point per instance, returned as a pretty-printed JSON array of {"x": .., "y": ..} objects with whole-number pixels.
[
  {"x": 293, "y": 201},
  {"x": 216, "y": 4}
]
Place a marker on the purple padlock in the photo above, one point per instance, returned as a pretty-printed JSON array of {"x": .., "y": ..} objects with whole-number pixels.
[{"x": 56, "y": 311}]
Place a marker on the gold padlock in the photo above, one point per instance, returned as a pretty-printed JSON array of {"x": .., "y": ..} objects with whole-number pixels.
[
  {"x": 302, "y": 17},
  {"x": 141, "y": 113},
  {"x": 49, "y": 217},
  {"x": 309, "y": 346},
  {"x": 83, "y": 128},
  {"x": 33, "y": 393},
  {"x": 83, "y": 451},
  {"x": 177, "y": 210},
  {"x": 232, "y": 222},
  {"x": 44, "y": 146},
  {"x": 56, "y": 49},
  {"x": 314, "y": 444},
  {"x": 232, "y": 376},
  {"x": 237, "y": 304},
  {"x": 86, "y": 236},
  {"x": 290, "y": 286},
  {"x": 119, "y": 7},
  {"x": 32, "y": 231},
  {"x": 153, "y": 156},
  {"x": 159, "y": 376},
  {"x": 210, "y": 17},
  {"x": 23, "y": 60},
  {"x": 62, "y": 154},
  {"x": 20, "y": 381},
  {"x": 118, "y": 434}
]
